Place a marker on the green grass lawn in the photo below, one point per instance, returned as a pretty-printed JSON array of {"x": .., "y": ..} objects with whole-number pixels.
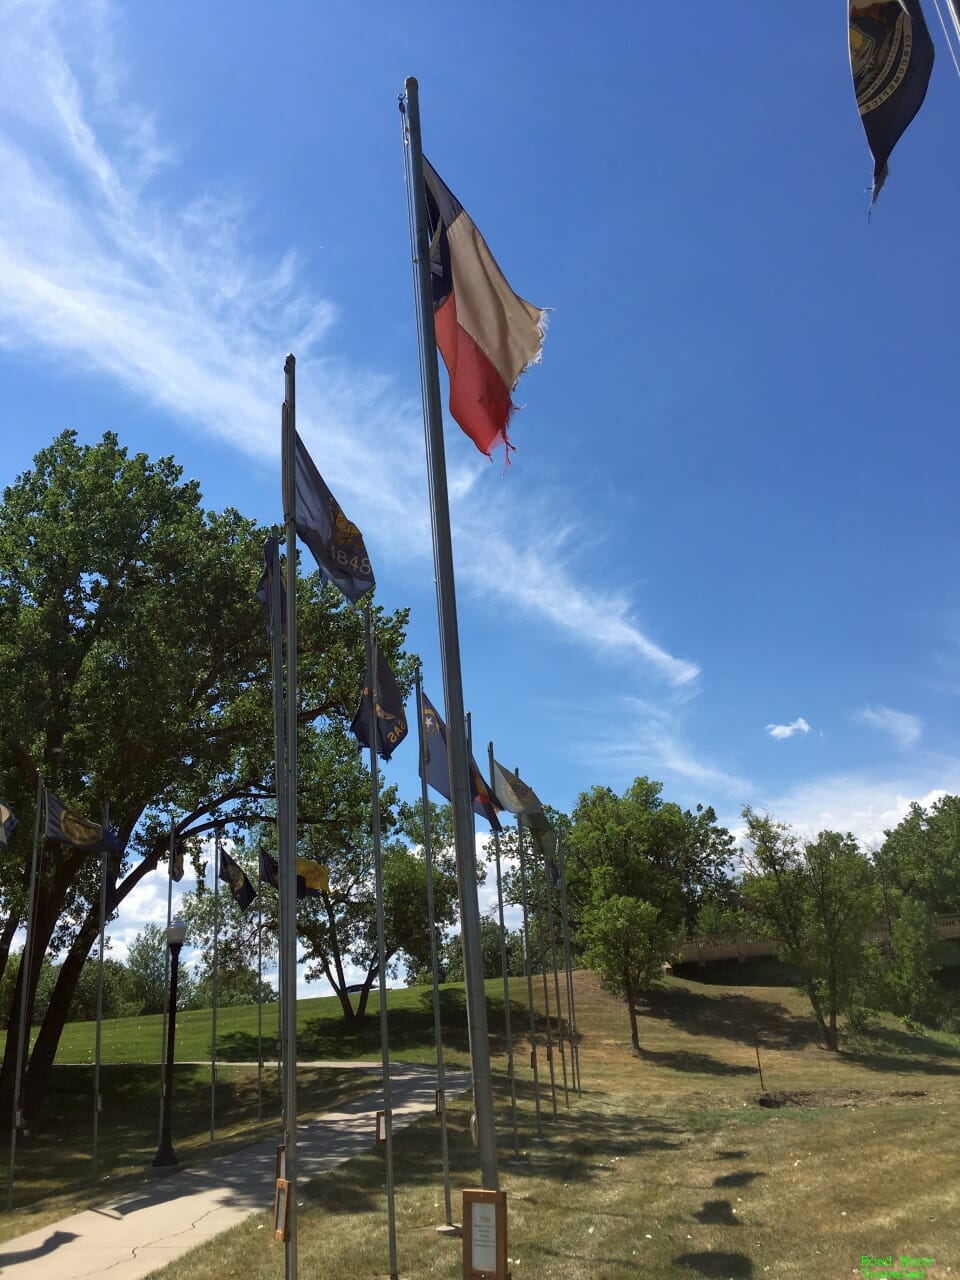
[
  {"x": 322, "y": 1031},
  {"x": 666, "y": 1168}
]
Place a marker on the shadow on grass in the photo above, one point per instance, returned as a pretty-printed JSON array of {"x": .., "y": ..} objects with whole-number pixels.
[
  {"x": 741, "y": 1179},
  {"x": 713, "y": 1263},
  {"x": 54, "y": 1152},
  {"x": 688, "y": 1061},
  {"x": 730, "y": 1017},
  {"x": 717, "y": 1213}
]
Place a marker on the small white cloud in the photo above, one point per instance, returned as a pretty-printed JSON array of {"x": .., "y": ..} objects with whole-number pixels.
[
  {"x": 900, "y": 725},
  {"x": 781, "y": 731}
]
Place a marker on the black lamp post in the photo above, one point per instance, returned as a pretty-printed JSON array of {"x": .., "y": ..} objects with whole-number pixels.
[{"x": 166, "y": 1157}]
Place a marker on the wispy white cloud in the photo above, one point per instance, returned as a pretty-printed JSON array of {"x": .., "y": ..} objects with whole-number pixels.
[
  {"x": 903, "y": 727},
  {"x": 781, "y": 731},
  {"x": 169, "y": 300},
  {"x": 633, "y": 737}
]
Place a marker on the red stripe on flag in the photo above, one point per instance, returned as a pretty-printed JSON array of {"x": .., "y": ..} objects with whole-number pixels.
[{"x": 479, "y": 397}]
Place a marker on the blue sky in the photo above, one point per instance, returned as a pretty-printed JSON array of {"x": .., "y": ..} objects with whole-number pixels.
[{"x": 725, "y": 554}]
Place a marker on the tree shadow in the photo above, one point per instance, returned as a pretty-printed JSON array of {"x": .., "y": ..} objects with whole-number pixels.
[
  {"x": 743, "y": 1178},
  {"x": 713, "y": 1263},
  {"x": 753, "y": 971},
  {"x": 730, "y": 1016},
  {"x": 699, "y": 1063},
  {"x": 717, "y": 1213}
]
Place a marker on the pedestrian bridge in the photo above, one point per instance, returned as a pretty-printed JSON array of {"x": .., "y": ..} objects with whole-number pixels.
[{"x": 704, "y": 951}]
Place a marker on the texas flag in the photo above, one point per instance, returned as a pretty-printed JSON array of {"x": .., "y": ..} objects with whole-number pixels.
[{"x": 486, "y": 334}]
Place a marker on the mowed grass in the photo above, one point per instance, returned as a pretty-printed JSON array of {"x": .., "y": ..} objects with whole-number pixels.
[
  {"x": 666, "y": 1166},
  {"x": 321, "y": 1031}
]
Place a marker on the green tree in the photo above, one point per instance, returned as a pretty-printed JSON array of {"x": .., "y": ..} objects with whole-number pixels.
[
  {"x": 820, "y": 900},
  {"x": 641, "y": 846},
  {"x": 148, "y": 973},
  {"x": 135, "y": 672},
  {"x": 627, "y": 941},
  {"x": 490, "y": 951},
  {"x": 920, "y": 858}
]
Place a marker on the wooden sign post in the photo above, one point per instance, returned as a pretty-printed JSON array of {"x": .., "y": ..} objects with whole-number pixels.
[{"x": 485, "y": 1235}]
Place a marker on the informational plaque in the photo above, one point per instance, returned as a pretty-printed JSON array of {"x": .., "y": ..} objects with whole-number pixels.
[
  {"x": 485, "y": 1235},
  {"x": 281, "y": 1210},
  {"x": 381, "y": 1127}
]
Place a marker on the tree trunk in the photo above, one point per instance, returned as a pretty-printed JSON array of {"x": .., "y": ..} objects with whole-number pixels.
[
  {"x": 58, "y": 1011},
  {"x": 48, "y": 913},
  {"x": 339, "y": 985},
  {"x": 6, "y": 938},
  {"x": 632, "y": 1006},
  {"x": 822, "y": 1028},
  {"x": 44, "y": 925},
  {"x": 365, "y": 993}
]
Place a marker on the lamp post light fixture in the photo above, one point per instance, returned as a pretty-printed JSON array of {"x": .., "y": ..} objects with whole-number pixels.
[{"x": 166, "y": 1157}]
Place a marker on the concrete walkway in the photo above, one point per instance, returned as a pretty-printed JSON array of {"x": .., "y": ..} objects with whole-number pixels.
[{"x": 143, "y": 1230}]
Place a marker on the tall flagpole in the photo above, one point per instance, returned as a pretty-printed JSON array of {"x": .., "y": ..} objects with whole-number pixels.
[
  {"x": 260, "y": 1006},
  {"x": 25, "y": 958},
  {"x": 528, "y": 974},
  {"x": 216, "y": 975},
  {"x": 450, "y": 649},
  {"x": 547, "y": 880},
  {"x": 166, "y": 975},
  {"x": 543, "y": 963},
  {"x": 274, "y": 599},
  {"x": 381, "y": 946},
  {"x": 287, "y": 853},
  {"x": 434, "y": 963},
  {"x": 511, "y": 1067},
  {"x": 568, "y": 960},
  {"x": 97, "y": 1105}
]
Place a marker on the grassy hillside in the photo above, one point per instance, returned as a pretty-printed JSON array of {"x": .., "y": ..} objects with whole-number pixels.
[{"x": 667, "y": 1167}]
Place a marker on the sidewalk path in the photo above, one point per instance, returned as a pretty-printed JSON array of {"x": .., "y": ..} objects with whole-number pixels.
[{"x": 143, "y": 1230}]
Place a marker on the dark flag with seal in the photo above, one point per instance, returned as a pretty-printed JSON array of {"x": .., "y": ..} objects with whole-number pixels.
[
  {"x": 485, "y": 803},
  {"x": 68, "y": 827},
  {"x": 391, "y": 719},
  {"x": 335, "y": 541},
  {"x": 234, "y": 875},
  {"x": 891, "y": 57}
]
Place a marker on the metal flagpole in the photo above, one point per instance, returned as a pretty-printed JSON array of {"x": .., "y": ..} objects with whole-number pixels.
[
  {"x": 568, "y": 959},
  {"x": 25, "y": 958},
  {"x": 276, "y": 659},
  {"x": 450, "y": 649},
  {"x": 543, "y": 962},
  {"x": 547, "y": 880},
  {"x": 434, "y": 963},
  {"x": 528, "y": 974},
  {"x": 97, "y": 1105},
  {"x": 381, "y": 946},
  {"x": 511, "y": 1069},
  {"x": 288, "y": 829},
  {"x": 216, "y": 963},
  {"x": 166, "y": 977},
  {"x": 259, "y": 1006}
]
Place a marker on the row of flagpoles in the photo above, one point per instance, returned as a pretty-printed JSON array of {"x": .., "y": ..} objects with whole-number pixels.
[{"x": 487, "y": 335}]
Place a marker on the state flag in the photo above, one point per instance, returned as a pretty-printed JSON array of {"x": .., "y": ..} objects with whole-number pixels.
[
  {"x": 891, "y": 58},
  {"x": 69, "y": 827},
  {"x": 391, "y": 717},
  {"x": 335, "y": 541},
  {"x": 519, "y": 799},
  {"x": 234, "y": 875},
  {"x": 485, "y": 803},
  {"x": 486, "y": 334}
]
